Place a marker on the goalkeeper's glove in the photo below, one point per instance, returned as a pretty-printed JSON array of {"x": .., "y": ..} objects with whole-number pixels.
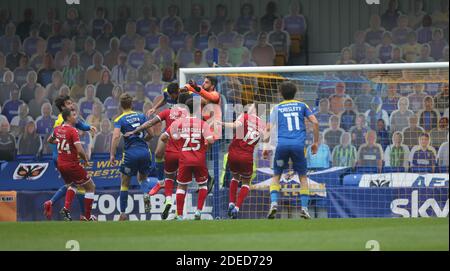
[{"x": 194, "y": 85}]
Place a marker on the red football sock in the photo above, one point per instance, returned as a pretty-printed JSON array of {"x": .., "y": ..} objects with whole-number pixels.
[
  {"x": 202, "y": 194},
  {"x": 168, "y": 188},
  {"x": 242, "y": 195},
  {"x": 233, "y": 190},
  {"x": 181, "y": 194},
  {"x": 70, "y": 194},
  {"x": 88, "y": 200}
]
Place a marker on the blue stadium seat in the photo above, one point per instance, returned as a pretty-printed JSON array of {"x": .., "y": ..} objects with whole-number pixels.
[
  {"x": 420, "y": 170},
  {"x": 26, "y": 158},
  {"x": 393, "y": 169},
  {"x": 366, "y": 170},
  {"x": 46, "y": 157}
]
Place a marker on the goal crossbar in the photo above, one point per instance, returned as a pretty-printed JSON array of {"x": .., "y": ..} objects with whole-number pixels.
[{"x": 313, "y": 68}]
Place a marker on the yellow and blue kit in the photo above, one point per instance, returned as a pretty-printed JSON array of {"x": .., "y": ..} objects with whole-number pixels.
[{"x": 136, "y": 154}]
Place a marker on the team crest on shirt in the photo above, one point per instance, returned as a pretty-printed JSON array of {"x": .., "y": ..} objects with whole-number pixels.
[
  {"x": 127, "y": 170},
  {"x": 280, "y": 163},
  {"x": 30, "y": 171}
]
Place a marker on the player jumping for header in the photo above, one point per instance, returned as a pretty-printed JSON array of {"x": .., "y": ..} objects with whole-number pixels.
[
  {"x": 74, "y": 175},
  {"x": 171, "y": 153},
  {"x": 137, "y": 158},
  {"x": 191, "y": 135},
  {"x": 287, "y": 122},
  {"x": 170, "y": 98},
  {"x": 209, "y": 95}
]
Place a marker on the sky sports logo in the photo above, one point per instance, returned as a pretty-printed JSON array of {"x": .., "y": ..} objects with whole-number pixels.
[{"x": 414, "y": 207}]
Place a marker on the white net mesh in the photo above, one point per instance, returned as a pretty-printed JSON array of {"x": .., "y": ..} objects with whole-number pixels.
[{"x": 383, "y": 142}]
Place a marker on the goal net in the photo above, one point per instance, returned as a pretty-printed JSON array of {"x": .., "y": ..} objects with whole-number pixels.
[{"x": 383, "y": 139}]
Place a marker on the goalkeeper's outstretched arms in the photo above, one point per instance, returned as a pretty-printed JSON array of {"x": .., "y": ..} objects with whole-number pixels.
[{"x": 211, "y": 96}]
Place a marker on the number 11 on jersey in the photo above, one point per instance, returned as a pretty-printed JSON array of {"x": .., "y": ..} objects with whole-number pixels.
[{"x": 289, "y": 117}]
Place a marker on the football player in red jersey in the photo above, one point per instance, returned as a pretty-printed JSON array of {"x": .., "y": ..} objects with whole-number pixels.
[
  {"x": 61, "y": 103},
  {"x": 249, "y": 128},
  {"x": 70, "y": 151},
  {"x": 168, "y": 151},
  {"x": 191, "y": 135}
]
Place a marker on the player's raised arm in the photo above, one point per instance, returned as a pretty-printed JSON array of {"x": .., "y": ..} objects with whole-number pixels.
[
  {"x": 233, "y": 125},
  {"x": 170, "y": 95},
  {"x": 155, "y": 107},
  {"x": 165, "y": 137},
  {"x": 315, "y": 122},
  {"x": 266, "y": 136},
  {"x": 52, "y": 139},
  {"x": 83, "y": 126},
  {"x": 211, "y": 95},
  {"x": 146, "y": 126},
  {"x": 149, "y": 134},
  {"x": 207, "y": 134},
  {"x": 114, "y": 143},
  {"x": 81, "y": 152}
]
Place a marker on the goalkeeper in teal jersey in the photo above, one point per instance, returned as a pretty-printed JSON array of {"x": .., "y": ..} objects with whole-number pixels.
[{"x": 288, "y": 133}]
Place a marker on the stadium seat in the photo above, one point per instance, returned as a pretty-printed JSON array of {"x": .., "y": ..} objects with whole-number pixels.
[
  {"x": 26, "y": 158},
  {"x": 366, "y": 170},
  {"x": 420, "y": 170},
  {"x": 46, "y": 157},
  {"x": 442, "y": 169},
  {"x": 393, "y": 169}
]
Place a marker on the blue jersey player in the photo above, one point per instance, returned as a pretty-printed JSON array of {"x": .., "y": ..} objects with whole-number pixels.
[
  {"x": 288, "y": 135},
  {"x": 170, "y": 98},
  {"x": 137, "y": 158}
]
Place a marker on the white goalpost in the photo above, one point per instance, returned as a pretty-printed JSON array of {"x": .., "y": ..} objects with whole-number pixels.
[{"x": 185, "y": 72}]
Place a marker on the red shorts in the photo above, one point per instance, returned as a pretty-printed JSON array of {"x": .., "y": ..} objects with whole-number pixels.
[
  {"x": 240, "y": 164},
  {"x": 185, "y": 174},
  {"x": 73, "y": 173},
  {"x": 171, "y": 162}
]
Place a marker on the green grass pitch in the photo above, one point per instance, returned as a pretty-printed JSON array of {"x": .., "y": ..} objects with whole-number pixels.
[{"x": 319, "y": 234}]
